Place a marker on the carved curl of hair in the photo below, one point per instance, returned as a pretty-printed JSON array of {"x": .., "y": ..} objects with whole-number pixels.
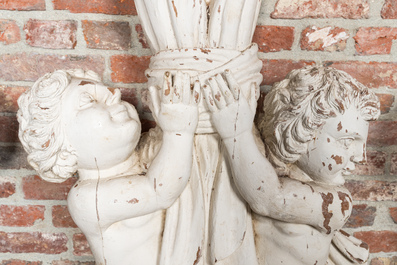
[
  {"x": 40, "y": 129},
  {"x": 297, "y": 107}
]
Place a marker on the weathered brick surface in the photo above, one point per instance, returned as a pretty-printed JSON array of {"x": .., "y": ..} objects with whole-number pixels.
[
  {"x": 81, "y": 246},
  {"x": 324, "y": 39},
  {"x": 393, "y": 164},
  {"x": 34, "y": 188},
  {"x": 13, "y": 157},
  {"x": 384, "y": 261},
  {"x": 9, "y": 32},
  {"x": 20, "y": 262},
  {"x": 273, "y": 38},
  {"x": 54, "y": 34},
  {"x": 129, "y": 95},
  {"x": 113, "y": 7},
  {"x": 372, "y": 190},
  {"x": 61, "y": 216},
  {"x": 8, "y": 98},
  {"x": 7, "y": 187},
  {"x": 375, "y": 40},
  {"x": 382, "y": 133},
  {"x": 372, "y": 74},
  {"x": 8, "y": 129},
  {"x": 375, "y": 164},
  {"x": 362, "y": 215},
  {"x": 33, "y": 242},
  {"x": 108, "y": 35},
  {"x": 69, "y": 262},
  {"x": 29, "y": 67},
  {"x": 11, "y": 215},
  {"x": 379, "y": 241},
  {"x": 141, "y": 36},
  {"x": 129, "y": 68},
  {"x": 321, "y": 9},
  {"x": 276, "y": 70},
  {"x": 25, "y": 5},
  {"x": 389, "y": 10},
  {"x": 386, "y": 102},
  {"x": 393, "y": 214}
]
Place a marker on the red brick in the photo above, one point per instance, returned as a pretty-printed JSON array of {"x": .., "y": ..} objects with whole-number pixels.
[
  {"x": 112, "y": 7},
  {"x": 276, "y": 70},
  {"x": 393, "y": 214},
  {"x": 324, "y": 39},
  {"x": 9, "y": 97},
  {"x": 375, "y": 164},
  {"x": 141, "y": 36},
  {"x": 386, "y": 102},
  {"x": 24, "y": 5},
  {"x": 54, "y": 34},
  {"x": 129, "y": 95},
  {"x": 33, "y": 242},
  {"x": 9, "y": 32},
  {"x": 7, "y": 187},
  {"x": 11, "y": 215},
  {"x": 81, "y": 246},
  {"x": 379, "y": 241},
  {"x": 372, "y": 190},
  {"x": 9, "y": 129},
  {"x": 108, "y": 35},
  {"x": 384, "y": 261},
  {"x": 69, "y": 262},
  {"x": 352, "y": 9},
  {"x": 362, "y": 215},
  {"x": 372, "y": 40},
  {"x": 389, "y": 10},
  {"x": 34, "y": 188},
  {"x": 61, "y": 216},
  {"x": 29, "y": 67},
  {"x": 20, "y": 262},
  {"x": 372, "y": 74},
  {"x": 129, "y": 68},
  {"x": 273, "y": 38},
  {"x": 382, "y": 133},
  {"x": 393, "y": 164},
  {"x": 13, "y": 157}
]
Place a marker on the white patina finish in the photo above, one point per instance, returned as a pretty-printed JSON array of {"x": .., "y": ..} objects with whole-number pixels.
[
  {"x": 204, "y": 38},
  {"x": 315, "y": 127},
  {"x": 70, "y": 121}
]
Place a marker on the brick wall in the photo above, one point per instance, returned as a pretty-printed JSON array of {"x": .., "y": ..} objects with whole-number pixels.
[{"x": 38, "y": 36}]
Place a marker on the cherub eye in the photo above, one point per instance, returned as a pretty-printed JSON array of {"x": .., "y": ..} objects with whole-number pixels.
[
  {"x": 86, "y": 100},
  {"x": 346, "y": 142}
]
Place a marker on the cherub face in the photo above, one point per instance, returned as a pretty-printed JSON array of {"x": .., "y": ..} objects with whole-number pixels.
[
  {"x": 338, "y": 145},
  {"x": 102, "y": 129}
]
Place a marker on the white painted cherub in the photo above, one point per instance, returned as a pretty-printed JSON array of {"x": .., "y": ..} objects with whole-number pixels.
[
  {"x": 70, "y": 121},
  {"x": 315, "y": 127}
]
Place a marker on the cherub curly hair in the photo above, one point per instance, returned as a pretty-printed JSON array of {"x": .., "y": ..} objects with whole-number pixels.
[
  {"x": 297, "y": 107},
  {"x": 40, "y": 129}
]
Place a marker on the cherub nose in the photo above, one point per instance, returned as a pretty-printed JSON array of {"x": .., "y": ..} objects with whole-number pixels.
[{"x": 360, "y": 155}]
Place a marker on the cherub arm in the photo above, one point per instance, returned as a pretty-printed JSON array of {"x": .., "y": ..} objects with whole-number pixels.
[
  {"x": 268, "y": 195},
  {"x": 122, "y": 197}
]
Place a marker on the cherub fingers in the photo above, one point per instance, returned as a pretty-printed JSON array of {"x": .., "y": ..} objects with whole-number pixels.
[
  {"x": 176, "y": 104},
  {"x": 231, "y": 113}
]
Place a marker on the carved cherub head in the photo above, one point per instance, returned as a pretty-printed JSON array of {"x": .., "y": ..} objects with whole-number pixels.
[
  {"x": 70, "y": 120},
  {"x": 317, "y": 119}
]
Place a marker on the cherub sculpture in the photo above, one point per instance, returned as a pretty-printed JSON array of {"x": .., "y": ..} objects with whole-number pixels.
[
  {"x": 70, "y": 121},
  {"x": 315, "y": 127}
]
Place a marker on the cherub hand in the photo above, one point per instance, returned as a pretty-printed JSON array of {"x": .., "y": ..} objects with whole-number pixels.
[
  {"x": 231, "y": 113},
  {"x": 176, "y": 107}
]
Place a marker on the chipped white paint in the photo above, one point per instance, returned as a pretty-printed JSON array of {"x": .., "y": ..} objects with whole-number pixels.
[
  {"x": 69, "y": 121},
  {"x": 315, "y": 126},
  {"x": 324, "y": 35}
]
